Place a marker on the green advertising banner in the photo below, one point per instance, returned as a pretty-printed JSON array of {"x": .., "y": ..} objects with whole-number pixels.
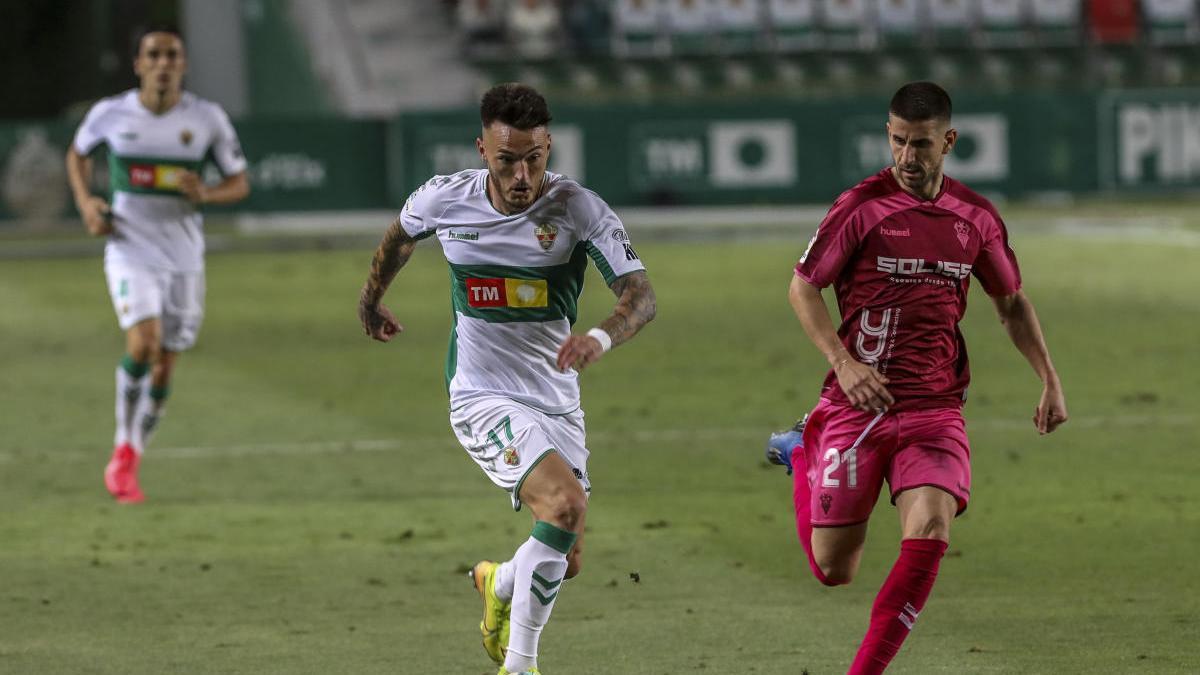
[
  {"x": 771, "y": 153},
  {"x": 314, "y": 165},
  {"x": 1149, "y": 139},
  {"x": 33, "y": 173},
  {"x": 765, "y": 153},
  {"x": 294, "y": 165}
]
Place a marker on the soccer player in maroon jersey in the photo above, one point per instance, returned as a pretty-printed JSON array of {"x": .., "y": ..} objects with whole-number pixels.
[{"x": 899, "y": 249}]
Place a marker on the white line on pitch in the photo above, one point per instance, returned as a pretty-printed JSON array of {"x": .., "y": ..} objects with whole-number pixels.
[{"x": 597, "y": 439}]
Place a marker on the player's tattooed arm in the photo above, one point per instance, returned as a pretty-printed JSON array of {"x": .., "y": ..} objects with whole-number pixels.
[
  {"x": 393, "y": 253},
  {"x": 635, "y": 308}
]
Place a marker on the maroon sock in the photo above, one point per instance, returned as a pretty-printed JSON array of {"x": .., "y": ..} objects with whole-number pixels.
[
  {"x": 899, "y": 601},
  {"x": 803, "y": 502}
]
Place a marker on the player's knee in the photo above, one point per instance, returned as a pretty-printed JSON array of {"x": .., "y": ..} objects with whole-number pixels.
[
  {"x": 143, "y": 351},
  {"x": 834, "y": 575},
  {"x": 567, "y": 508},
  {"x": 143, "y": 342},
  {"x": 931, "y": 527},
  {"x": 836, "y": 572},
  {"x": 574, "y": 562}
]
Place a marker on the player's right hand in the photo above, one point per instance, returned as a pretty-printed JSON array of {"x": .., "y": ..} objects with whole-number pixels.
[
  {"x": 97, "y": 216},
  {"x": 378, "y": 322},
  {"x": 864, "y": 386}
]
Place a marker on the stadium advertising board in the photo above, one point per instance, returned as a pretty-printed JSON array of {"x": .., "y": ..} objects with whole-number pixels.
[
  {"x": 980, "y": 156},
  {"x": 1150, "y": 139},
  {"x": 700, "y": 155},
  {"x": 295, "y": 165},
  {"x": 444, "y": 149}
]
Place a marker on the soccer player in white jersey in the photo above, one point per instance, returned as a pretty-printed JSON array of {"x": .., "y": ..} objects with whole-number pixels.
[
  {"x": 517, "y": 239},
  {"x": 158, "y": 138}
]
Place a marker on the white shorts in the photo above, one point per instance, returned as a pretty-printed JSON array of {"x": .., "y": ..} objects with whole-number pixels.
[
  {"x": 507, "y": 439},
  {"x": 140, "y": 293}
]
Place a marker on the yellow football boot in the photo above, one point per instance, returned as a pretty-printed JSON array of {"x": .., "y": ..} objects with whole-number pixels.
[{"x": 494, "y": 626}]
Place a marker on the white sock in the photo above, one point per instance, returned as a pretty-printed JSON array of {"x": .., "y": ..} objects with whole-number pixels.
[
  {"x": 505, "y": 573},
  {"x": 149, "y": 412},
  {"x": 539, "y": 567},
  {"x": 129, "y": 391},
  {"x": 145, "y": 420}
]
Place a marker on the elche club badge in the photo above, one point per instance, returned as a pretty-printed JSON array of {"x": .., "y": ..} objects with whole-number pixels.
[
  {"x": 511, "y": 457},
  {"x": 185, "y": 137},
  {"x": 546, "y": 233}
]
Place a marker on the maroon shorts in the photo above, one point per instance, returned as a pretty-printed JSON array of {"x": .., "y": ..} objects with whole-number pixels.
[{"x": 847, "y": 454}]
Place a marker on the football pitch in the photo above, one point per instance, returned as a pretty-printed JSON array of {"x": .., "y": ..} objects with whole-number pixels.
[{"x": 308, "y": 510}]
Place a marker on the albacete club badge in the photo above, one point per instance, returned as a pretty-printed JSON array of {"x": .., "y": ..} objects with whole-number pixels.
[{"x": 546, "y": 233}]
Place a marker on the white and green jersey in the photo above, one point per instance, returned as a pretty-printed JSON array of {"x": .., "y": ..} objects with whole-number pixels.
[
  {"x": 153, "y": 224},
  {"x": 515, "y": 282}
]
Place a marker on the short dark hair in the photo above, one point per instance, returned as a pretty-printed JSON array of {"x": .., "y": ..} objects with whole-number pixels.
[
  {"x": 921, "y": 101},
  {"x": 154, "y": 28},
  {"x": 518, "y": 105}
]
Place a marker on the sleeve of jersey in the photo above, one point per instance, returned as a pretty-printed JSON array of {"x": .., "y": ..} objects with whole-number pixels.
[
  {"x": 421, "y": 210},
  {"x": 608, "y": 243},
  {"x": 90, "y": 134},
  {"x": 226, "y": 149},
  {"x": 831, "y": 246},
  {"x": 996, "y": 267}
]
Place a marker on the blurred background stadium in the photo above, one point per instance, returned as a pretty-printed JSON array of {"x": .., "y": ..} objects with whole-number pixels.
[
  {"x": 309, "y": 510},
  {"x": 347, "y": 105}
]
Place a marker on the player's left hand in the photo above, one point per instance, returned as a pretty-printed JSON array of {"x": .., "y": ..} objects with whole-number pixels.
[
  {"x": 1051, "y": 410},
  {"x": 578, "y": 352},
  {"x": 379, "y": 322},
  {"x": 193, "y": 187}
]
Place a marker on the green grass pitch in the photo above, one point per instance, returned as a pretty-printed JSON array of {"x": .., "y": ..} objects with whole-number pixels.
[{"x": 309, "y": 511}]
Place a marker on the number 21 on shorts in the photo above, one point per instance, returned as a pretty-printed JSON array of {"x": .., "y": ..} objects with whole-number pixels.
[{"x": 835, "y": 458}]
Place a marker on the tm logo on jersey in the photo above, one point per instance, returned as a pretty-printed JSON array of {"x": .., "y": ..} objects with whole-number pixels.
[
  {"x": 507, "y": 293},
  {"x": 920, "y": 266},
  {"x": 155, "y": 176}
]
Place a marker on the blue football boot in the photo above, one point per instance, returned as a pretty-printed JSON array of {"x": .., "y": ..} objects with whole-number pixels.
[{"x": 781, "y": 444}]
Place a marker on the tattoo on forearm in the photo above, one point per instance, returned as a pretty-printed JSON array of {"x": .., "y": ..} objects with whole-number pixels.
[
  {"x": 636, "y": 307},
  {"x": 392, "y": 254}
]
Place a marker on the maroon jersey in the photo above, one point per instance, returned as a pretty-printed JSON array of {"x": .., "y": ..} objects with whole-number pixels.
[{"x": 900, "y": 267}]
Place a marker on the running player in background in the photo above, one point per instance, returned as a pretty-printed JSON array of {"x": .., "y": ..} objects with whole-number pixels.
[
  {"x": 517, "y": 239},
  {"x": 158, "y": 138},
  {"x": 899, "y": 249}
]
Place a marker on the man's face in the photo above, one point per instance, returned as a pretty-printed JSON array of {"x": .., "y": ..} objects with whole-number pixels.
[
  {"x": 516, "y": 161},
  {"x": 919, "y": 149},
  {"x": 161, "y": 62}
]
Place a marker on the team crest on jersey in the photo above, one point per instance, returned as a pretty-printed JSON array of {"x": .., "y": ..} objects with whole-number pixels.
[
  {"x": 546, "y": 233},
  {"x": 963, "y": 231},
  {"x": 185, "y": 137},
  {"x": 826, "y": 502},
  {"x": 511, "y": 457}
]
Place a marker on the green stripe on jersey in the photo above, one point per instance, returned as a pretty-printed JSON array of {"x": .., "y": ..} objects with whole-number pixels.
[
  {"x": 149, "y": 175},
  {"x": 601, "y": 263},
  {"x": 564, "y": 283}
]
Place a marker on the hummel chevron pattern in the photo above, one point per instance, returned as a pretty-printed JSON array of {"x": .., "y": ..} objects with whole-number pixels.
[{"x": 547, "y": 597}]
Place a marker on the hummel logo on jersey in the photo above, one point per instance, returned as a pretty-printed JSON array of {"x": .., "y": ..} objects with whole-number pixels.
[
  {"x": 463, "y": 236},
  {"x": 128, "y": 135},
  {"x": 920, "y": 266},
  {"x": 895, "y": 233}
]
